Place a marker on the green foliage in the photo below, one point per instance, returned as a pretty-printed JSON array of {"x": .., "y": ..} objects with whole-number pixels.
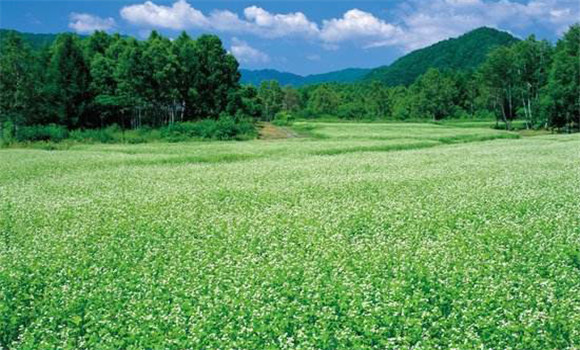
[
  {"x": 561, "y": 103},
  {"x": 283, "y": 119},
  {"x": 50, "y": 132},
  {"x": 463, "y": 53},
  {"x": 225, "y": 128}
]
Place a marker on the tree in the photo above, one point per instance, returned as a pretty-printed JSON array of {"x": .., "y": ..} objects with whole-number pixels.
[
  {"x": 562, "y": 100},
  {"x": 185, "y": 53},
  {"x": 291, "y": 102},
  {"x": 271, "y": 97},
  {"x": 217, "y": 77},
  {"x": 159, "y": 79},
  {"x": 434, "y": 95},
  {"x": 69, "y": 81},
  {"x": 532, "y": 61},
  {"x": 379, "y": 103},
  {"x": 129, "y": 77},
  {"x": 324, "y": 100},
  {"x": 498, "y": 79},
  {"x": 16, "y": 81}
]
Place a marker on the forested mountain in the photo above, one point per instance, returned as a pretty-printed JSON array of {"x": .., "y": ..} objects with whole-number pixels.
[
  {"x": 465, "y": 52},
  {"x": 349, "y": 75},
  {"x": 256, "y": 77},
  {"x": 37, "y": 41}
]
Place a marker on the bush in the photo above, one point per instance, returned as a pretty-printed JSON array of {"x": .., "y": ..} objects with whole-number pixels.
[
  {"x": 283, "y": 119},
  {"x": 225, "y": 128},
  {"x": 6, "y": 133},
  {"x": 51, "y": 132},
  {"x": 109, "y": 134}
]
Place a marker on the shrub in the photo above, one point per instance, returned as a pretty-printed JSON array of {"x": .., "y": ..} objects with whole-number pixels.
[
  {"x": 283, "y": 119},
  {"x": 51, "y": 132},
  {"x": 109, "y": 134},
  {"x": 225, "y": 128}
]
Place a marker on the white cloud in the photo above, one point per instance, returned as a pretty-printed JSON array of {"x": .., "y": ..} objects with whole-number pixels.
[
  {"x": 356, "y": 25},
  {"x": 247, "y": 54},
  {"x": 179, "y": 16},
  {"x": 419, "y": 23},
  {"x": 428, "y": 22},
  {"x": 85, "y": 23},
  {"x": 271, "y": 25}
]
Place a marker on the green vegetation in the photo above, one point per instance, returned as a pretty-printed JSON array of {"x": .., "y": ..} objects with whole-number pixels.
[
  {"x": 333, "y": 242},
  {"x": 105, "y": 81},
  {"x": 466, "y": 52}
]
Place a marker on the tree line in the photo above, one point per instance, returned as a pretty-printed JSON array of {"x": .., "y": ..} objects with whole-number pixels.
[
  {"x": 530, "y": 80},
  {"x": 103, "y": 80},
  {"x": 106, "y": 79}
]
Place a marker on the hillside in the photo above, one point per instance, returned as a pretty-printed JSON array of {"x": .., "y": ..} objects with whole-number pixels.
[
  {"x": 37, "y": 41},
  {"x": 465, "y": 52},
  {"x": 255, "y": 77}
]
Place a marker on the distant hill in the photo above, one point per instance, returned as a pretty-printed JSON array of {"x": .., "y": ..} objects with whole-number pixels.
[
  {"x": 37, "y": 41},
  {"x": 465, "y": 52},
  {"x": 255, "y": 77}
]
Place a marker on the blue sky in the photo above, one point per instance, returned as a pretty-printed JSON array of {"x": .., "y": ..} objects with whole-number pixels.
[{"x": 302, "y": 37}]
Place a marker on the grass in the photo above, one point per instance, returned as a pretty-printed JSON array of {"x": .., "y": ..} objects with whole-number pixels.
[{"x": 472, "y": 241}]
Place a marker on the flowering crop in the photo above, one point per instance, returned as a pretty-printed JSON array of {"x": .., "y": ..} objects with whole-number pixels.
[{"x": 339, "y": 242}]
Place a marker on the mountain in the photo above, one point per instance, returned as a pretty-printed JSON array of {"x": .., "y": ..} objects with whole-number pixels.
[
  {"x": 465, "y": 52},
  {"x": 255, "y": 77},
  {"x": 36, "y": 41}
]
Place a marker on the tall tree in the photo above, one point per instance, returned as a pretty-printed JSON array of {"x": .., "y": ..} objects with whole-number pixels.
[
  {"x": 532, "y": 60},
  {"x": 271, "y": 97},
  {"x": 498, "y": 79},
  {"x": 184, "y": 51},
  {"x": 435, "y": 94},
  {"x": 16, "y": 81},
  {"x": 217, "y": 78},
  {"x": 69, "y": 81},
  {"x": 324, "y": 100},
  {"x": 562, "y": 101}
]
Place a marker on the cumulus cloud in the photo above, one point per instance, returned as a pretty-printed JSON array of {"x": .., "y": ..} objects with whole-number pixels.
[
  {"x": 85, "y": 23},
  {"x": 181, "y": 15},
  {"x": 429, "y": 22},
  {"x": 418, "y": 23},
  {"x": 178, "y": 16},
  {"x": 247, "y": 54},
  {"x": 357, "y": 24}
]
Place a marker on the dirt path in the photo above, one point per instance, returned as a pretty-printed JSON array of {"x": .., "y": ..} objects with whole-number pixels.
[{"x": 268, "y": 131}]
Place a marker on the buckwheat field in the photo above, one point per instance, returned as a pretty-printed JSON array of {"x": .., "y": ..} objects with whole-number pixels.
[{"x": 357, "y": 236}]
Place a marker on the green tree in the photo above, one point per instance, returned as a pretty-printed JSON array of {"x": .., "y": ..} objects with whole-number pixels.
[
  {"x": 16, "y": 81},
  {"x": 498, "y": 81},
  {"x": 532, "y": 60},
  {"x": 291, "y": 102},
  {"x": 69, "y": 81},
  {"x": 217, "y": 79},
  {"x": 435, "y": 94},
  {"x": 184, "y": 51},
  {"x": 561, "y": 104},
  {"x": 271, "y": 97},
  {"x": 324, "y": 100}
]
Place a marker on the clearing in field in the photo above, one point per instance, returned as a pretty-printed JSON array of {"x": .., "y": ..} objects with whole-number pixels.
[{"x": 350, "y": 236}]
